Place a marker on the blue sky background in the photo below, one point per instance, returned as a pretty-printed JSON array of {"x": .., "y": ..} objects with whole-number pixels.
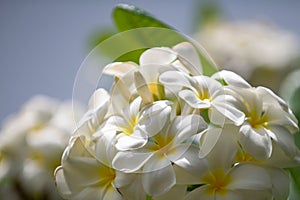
[{"x": 42, "y": 43}]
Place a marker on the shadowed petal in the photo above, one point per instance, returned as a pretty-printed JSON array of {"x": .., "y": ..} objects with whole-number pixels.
[
  {"x": 158, "y": 176},
  {"x": 256, "y": 142}
]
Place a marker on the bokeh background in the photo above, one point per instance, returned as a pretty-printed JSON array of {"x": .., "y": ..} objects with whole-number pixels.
[{"x": 43, "y": 42}]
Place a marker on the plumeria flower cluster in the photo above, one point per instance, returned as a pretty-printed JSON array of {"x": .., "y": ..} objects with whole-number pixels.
[
  {"x": 165, "y": 131},
  {"x": 31, "y": 144}
]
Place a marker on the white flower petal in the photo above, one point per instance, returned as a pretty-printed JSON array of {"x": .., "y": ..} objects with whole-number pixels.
[
  {"x": 116, "y": 123},
  {"x": 223, "y": 146},
  {"x": 278, "y": 116},
  {"x": 130, "y": 161},
  {"x": 280, "y": 183},
  {"x": 161, "y": 56},
  {"x": 183, "y": 177},
  {"x": 112, "y": 193},
  {"x": 255, "y": 194},
  {"x": 256, "y": 142},
  {"x": 142, "y": 88},
  {"x": 192, "y": 100},
  {"x": 61, "y": 183},
  {"x": 249, "y": 177},
  {"x": 158, "y": 176},
  {"x": 249, "y": 100},
  {"x": 134, "y": 190},
  {"x": 230, "y": 195},
  {"x": 188, "y": 55},
  {"x": 176, "y": 151},
  {"x": 231, "y": 78},
  {"x": 119, "y": 69},
  {"x": 184, "y": 127},
  {"x": 200, "y": 192},
  {"x": 99, "y": 98},
  {"x": 104, "y": 148},
  {"x": 151, "y": 72},
  {"x": 175, "y": 78},
  {"x": 88, "y": 193},
  {"x": 123, "y": 179},
  {"x": 155, "y": 117},
  {"x": 269, "y": 96},
  {"x": 280, "y": 159},
  {"x": 206, "y": 85},
  {"x": 208, "y": 141},
  {"x": 191, "y": 164},
  {"x": 121, "y": 92},
  {"x": 76, "y": 148},
  {"x": 130, "y": 142},
  {"x": 177, "y": 192},
  {"x": 134, "y": 107},
  {"x": 284, "y": 139},
  {"x": 131, "y": 112},
  {"x": 77, "y": 180},
  {"x": 224, "y": 106}
]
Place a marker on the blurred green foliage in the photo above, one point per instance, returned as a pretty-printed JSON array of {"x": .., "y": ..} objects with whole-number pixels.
[{"x": 128, "y": 17}]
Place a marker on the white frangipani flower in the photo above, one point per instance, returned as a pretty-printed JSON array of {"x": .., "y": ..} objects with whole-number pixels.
[
  {"x": 98, "y": 110},
  {"x": 155, "y": 159},
  {"x": 265, "y": 121},
  {"x": 33, "y": 141},
  {"x": 33, "y": 116},
  {"x": 100, "y": 180},
  {"x": 135, "y": 125},
  {"x": 201, "y": 92},
  {"x": 221, "y": 178},
  {"x": 96, "y": 183}
]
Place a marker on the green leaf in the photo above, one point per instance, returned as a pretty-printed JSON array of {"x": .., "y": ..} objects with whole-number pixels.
[
  {"x": 148, "y": 198},
  {"x": 294, "y": 103},
  {"x": 128, "y": 17},
  {"x": 295, "y": 183},
  {"x": 133, "y": 56},
  {"x": 295, "y": 172},
  {"x": 208, "y": 65},
  {"x": 140, "y": 31},
  {"x": 100, "y": 35}
]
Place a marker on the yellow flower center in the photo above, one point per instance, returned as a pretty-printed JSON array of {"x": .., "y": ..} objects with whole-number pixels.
[
  {"x": 258, "y": 121},
  {"x": 128, "y": 130},
  {"x": 37, "y": 127},
  {"x": 156, "y": 90},
  {"x": 217, "y": 182},
  {"x": 107, "y": 176},
  {"x": 242, "y": 156},
  {"x": 204, "y": 96},
  {"x": 163, "y": 145}
]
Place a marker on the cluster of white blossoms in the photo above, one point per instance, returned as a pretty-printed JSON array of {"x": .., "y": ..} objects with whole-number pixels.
[
  {"x": 243, "y": 52},
  {"x": 165, "y": 131},
  {"x": 31, "y": 145}
]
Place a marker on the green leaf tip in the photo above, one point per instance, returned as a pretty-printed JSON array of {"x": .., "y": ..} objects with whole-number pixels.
[{"x": 128, "y": 17}]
